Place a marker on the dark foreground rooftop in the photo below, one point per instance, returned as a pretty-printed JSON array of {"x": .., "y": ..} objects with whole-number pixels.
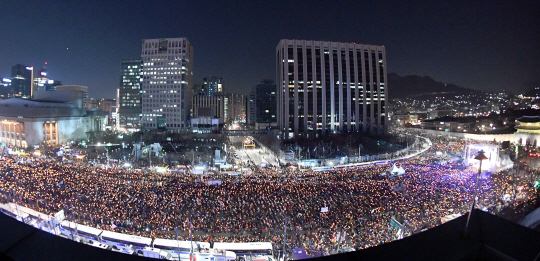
[{"x": 489, "y": 238}]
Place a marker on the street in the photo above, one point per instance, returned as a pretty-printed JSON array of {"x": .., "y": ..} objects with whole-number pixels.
[{"x": 256, "y": 155}]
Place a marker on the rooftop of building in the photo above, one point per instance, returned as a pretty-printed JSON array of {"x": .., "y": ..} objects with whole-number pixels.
[
  {"x": 18, "y": 102},
  {"x": 17, "y": 108},
  {"x": 531, "y": 119}
]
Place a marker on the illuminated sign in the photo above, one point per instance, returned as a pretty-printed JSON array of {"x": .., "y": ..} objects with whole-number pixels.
[
  {"x": 29, "y": 68},
  {"x": 6, "y": 80},
  {"x": 50, "y": 81},
  {"x": 43, "y": 73}
]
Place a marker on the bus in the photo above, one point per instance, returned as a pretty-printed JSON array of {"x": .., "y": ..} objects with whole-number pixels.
[
  {"x": 31, "y": 213},
  {"x": 247, "y": 249},
  {"x": 216, "y": 256},
  {"x": 121, "y": 241},
  {"x": 154, "y": 253},
  {"x": 179, "y": 249},
  {"x": 34, "y": 218},
  {"x": 73, "y": 230},
  {"x": 12, "y": 212}
]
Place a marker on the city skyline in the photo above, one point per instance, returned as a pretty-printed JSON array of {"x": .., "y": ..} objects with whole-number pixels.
[{"x": 84, "y": 43}]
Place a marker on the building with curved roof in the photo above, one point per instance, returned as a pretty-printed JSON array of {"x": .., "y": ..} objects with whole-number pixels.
[
  {"x": 25, "y": 123},
  {"x": 528, "y": 130}
]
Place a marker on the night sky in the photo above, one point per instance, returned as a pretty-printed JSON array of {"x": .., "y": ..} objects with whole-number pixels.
[{"x": 487, "y": 45}]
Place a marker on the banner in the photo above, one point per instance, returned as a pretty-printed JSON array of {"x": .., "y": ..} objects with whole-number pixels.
[
  {"x": 325, "y": 209},
  {"x": 213, "y": 182}
]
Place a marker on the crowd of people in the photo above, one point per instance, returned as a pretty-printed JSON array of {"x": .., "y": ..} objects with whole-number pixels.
[{"x": 248, "y": 208}]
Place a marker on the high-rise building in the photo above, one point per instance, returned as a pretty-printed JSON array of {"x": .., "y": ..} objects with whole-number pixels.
[
  {"x": 21, "y": 81},
  {"x": 129, "y": 98},
  {"x": 167, "y": 83},
  {"x": 261, "y": 104},
  {"x": 5, "y": 88},
  {"x": 266, "y": 104},
  {"x": 212, "y": 85},
  {"x": 251, "y": 117},
  {"x": 229, "y": 106},
  {"x": 41, "y": 82},
  {"x": 330, "y": 87}
]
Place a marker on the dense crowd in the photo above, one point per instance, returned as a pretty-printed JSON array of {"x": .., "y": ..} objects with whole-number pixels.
[{"x": 360, "y": 201}]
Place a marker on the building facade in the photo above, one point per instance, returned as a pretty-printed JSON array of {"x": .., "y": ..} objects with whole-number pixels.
[
  {"x": 22, "y": 81},
  {"x": 79, "y": 88},
  {"x": 167, "y": 83},
  {"x": 229, "y": 106},
  {"x": 251, "y": 107},
  {"x": 261, "y": 105},
  {"x": 129, "y": 96},
  {"x": 25, "y": 123},
  {"x": 265, "y": 104},
  {"x": 212, "y": 85},
  {"x": 330, "y": 87},
  {"x": 528, "y": 131}
]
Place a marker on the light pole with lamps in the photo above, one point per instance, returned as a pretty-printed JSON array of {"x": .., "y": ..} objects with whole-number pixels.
[{"x": 481, "y": 157}]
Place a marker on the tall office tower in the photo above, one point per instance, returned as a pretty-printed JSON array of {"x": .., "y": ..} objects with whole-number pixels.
[
  {"x": 261, "y": 105},
  {"x": 21, "y": 81},
  {"x": 212, "y": 85},
  {"x": 330, "y": 87},
  {"x": 251, "y": 105},
  {"x": 5, "y": 88},
  {"x": 265, "y": 104},
  {"x": 167, "y": 83},
  {"x": 129, "y": 95}
]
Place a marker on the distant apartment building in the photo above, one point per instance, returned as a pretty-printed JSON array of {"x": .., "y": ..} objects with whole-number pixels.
[
  {"x": 167, "y": 83},
  {"x": 212, "y": 85},
  {"x": 330, "y": 87},
  {"x": 129, "y": 95}
]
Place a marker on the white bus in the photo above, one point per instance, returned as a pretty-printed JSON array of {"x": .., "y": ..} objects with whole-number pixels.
[
  {"x": 154, "y": 253},
  {"x": 179, "y": 249},
  {"x": 216, "y": 256},
  {"x": 12, "y": 212},
  {"x": 32, "y": 213},
  {"x": 123, "y": 240},
  {"x": 72, "y": 230},
  {"x": 34, "y": 218},
  {"x": 246, "y": 249}
]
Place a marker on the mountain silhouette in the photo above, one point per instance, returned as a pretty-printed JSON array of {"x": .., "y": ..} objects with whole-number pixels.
[{"x": 414, "y": 86}]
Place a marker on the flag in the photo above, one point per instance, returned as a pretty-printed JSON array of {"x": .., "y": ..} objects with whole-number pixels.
[
  {"x": 113, "y": 226},
  {"x": 314, "y": 149}
]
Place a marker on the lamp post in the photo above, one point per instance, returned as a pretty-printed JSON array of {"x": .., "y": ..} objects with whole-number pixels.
[
  {"x": 480, "y": 156},
  {"x": 359, "y": 155}
]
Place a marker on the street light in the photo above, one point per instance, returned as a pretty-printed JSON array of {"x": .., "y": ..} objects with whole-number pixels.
[{"x": 481, "y": 157}]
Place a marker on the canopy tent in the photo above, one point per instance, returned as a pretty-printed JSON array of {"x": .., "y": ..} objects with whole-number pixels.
[{"x": 396, "y": 171}]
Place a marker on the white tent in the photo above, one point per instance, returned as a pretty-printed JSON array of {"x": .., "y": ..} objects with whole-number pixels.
[
  {"x": 396, "y": 171},
  {"x": 393, "y": 169}
]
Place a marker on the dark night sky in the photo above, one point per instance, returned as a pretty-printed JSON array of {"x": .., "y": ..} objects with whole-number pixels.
[{"x": 488, "y": 45}]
